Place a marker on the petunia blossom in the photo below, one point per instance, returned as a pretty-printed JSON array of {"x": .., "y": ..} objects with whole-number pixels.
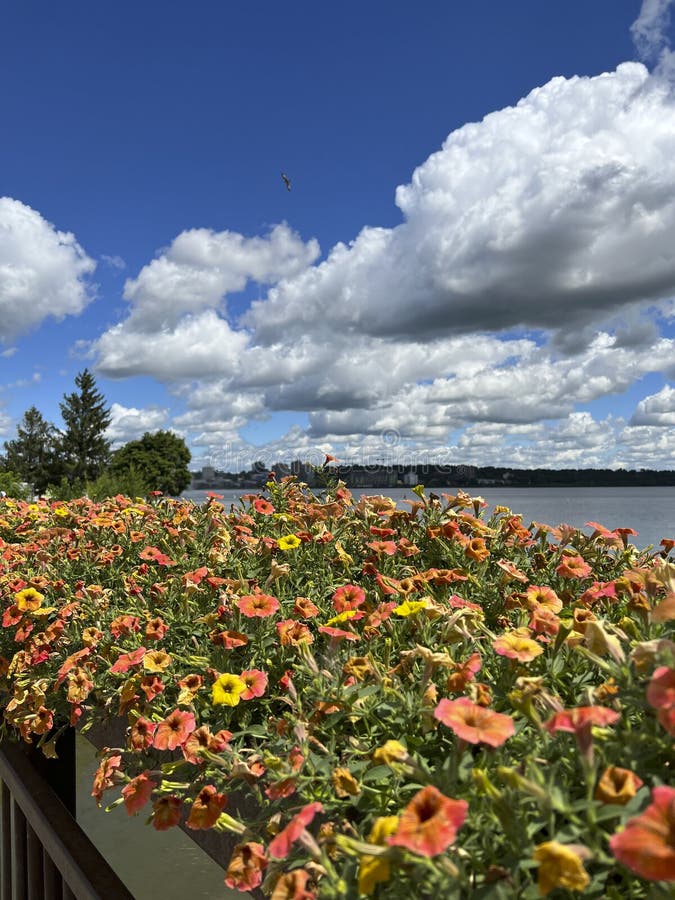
[
  {"x": 174, "y": 730},
  {"x": 256, "y": 683},
  {"x": 573, "y": 567},
  {"x": 429, "y": 823},
  {"x": 167, "y": 812},
  {"x": 246, "y": 867},
  {"x": 473, "y": 723},
  {"x": 579, "y": 721},
  {"x": 617, "y": 786},
  {"x": 206, "y": 808},
  {"x": 517, "y": 644},
  {"x": 561, "y": 866},
  {"x": 647, "y": 843},
  {"x": 137, "y": 793},
  {"x": 257, "y": 605},
  {"x": 661, "y": 689},
  {"x": 280, "y": 847}
]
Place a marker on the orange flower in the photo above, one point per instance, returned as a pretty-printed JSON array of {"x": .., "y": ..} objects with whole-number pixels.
[
  {"x": 206, "y": 808},
  {"x": 573, "y": 567},
  {"x": 246, "y": 867},
  {"x": 264, "y": 507},
  {"x": 429, "y": 823},
  {"x": 473, "y": 723},
  {"x": 292, "y": 633},
  {"x": 389, "y": 548},
  {"x": 647, "y": 843},
  {"x": 142, "y": 734},
  {"x": 230, "y": 640},
  {"x": 538, "y": 596},
  {"x": 167, "y": 812},
  {"x": 617, "y": 786},
  {"x": 174, "y": 730},
  {"x": 477, "y": 549},
  {"x": 561, "y": 865},
  {"x": 518, "y": 645},
  {"x": 258, "y": 605},
  {"x": 137, "y": 793},
  {"x": 304, "y": 608},
  {"x": 293, "y": 886},
  {"x": 127, "y": 661},
  {"x": 280, "y": 847}
]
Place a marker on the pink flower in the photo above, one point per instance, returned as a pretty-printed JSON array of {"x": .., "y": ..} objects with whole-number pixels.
[
  {"x": 256, "y": 683},
  {"x": 429, "y": 823},
  {"x": 282, "y": 843},
  {"x": 137, "y": 793},
  {"x": 173, "y": 731},
  {"x": 573, "y": 567},
  {"x": 474, "y": 724},
  {"x": 647, "y": 843},
  {"x": 661, "y": 690},
  {"x": 350, "y": 596},
  {"x": 258, "y": 605}
]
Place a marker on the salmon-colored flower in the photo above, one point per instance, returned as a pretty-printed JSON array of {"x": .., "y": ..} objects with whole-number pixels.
[
  {"x": 264, "y": 507},
  {"x": 463, "y": 673},
  {"x": 518, "y": 645},
  {"x": 617, "y": 786},
  {"x": 429, "y": 823},
  {"x": 166, "y": 812},
  {"x": 189, "y": 688},
  {"x": 561, "y": 865},
  {"x": 230, "y": 640},
  {"x": 661, "y": 690},
  {"x": 375, "y": 869},
  {"x": 156, "y": 629},
  {"x": 304, "y": 608},
  {"x": 280, "y": 847},
  {"x": 256, "y": 683},
  {"x": 338, "y": 634},
  {"x": 573, "y": 567},
  {"x": 142, "y": 734},
  {"x": 473, "y": 723},
  {"x": 388, "y": 548},
  {"x": 206, "y": 808},
  {"x": 104, "y": 776},
  {"x": 246, "y": 867},
  {"x": 580, "y": 721},
  {"x": 126, "y": 661},
  {"x": 647, "y": 843},
  {"x": 137, "y": 793},
  {"x": 227, "y": 690},
  {"x": 258, "y": 605},
  {"x": 173, "y": 731},
  {"x": 349, "y": 596}
]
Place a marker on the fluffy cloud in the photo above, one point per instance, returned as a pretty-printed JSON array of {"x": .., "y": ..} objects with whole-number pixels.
[
  {"x": 42, "y": 271},
  {"x": 129, "y": 424},
  {"x": 657, "y": 409},
  {"x": 550, "y": 214}
]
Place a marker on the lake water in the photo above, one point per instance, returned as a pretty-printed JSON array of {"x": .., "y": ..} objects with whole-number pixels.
[
  {"x": 169, "y": 864},
  {"x": 648, "y": 510}
]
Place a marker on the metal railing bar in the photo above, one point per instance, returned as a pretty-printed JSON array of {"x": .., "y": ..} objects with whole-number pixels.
[
  {"x": 6, "y": 855},
  {"x": 86, "y": 873},
  {"x": 51, "y": 884},
  {"x": 33, "y": 865},
  {"x": 18, "y": 848}
]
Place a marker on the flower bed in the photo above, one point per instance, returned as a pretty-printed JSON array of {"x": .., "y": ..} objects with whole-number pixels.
[{"x": 408, "y": 702}]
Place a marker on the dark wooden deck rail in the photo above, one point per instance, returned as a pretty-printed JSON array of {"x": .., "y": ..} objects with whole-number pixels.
[{"x": 44, "y": 854}]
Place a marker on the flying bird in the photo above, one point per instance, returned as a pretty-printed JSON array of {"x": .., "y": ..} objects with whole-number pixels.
[{"x": 287, "y": 181}]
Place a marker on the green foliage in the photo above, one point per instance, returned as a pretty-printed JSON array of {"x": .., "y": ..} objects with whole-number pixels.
[
  {"x": 161, "y": 459},
  {"x": 108, "y": 484},
  {"x": 33, "y": 454},
  {"x": 13, "y": 486},
  {"x": 83, "y": 445}
]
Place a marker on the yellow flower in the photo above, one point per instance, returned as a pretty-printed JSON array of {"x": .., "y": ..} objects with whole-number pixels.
[
  {"x": 344, "y": 783},
  {"x": 390, "y": 752},
  {"x": 560, "y": 865},
  {"x": 156, "y": 661},
  {"x": 342, "y": 617},
  {"x": 227, "y": 689},
  {"x": 28, "y": 599},
  {"x": 61, "y": 511},
  {"x": 410, "y": 607},
  {"x": 373, "y": 869},
  {"x": 288, "y": 542}
]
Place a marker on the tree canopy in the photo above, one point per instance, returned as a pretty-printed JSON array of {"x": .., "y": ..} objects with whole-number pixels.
[
  {"x": 33, "y": 454},
  {"x": 85, "y": 449},
  {"x": 161, "y": 459}
]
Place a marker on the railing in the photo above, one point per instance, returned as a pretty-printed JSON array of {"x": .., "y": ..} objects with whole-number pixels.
[{"x": 44, "y": 854}]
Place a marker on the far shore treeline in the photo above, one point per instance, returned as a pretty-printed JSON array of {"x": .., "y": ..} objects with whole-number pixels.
[{"x": 77, "y": 459}]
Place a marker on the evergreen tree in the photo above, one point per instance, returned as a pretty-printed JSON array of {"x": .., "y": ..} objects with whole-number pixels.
[
  {"x": 160, "y": 459},
  {"x": 85, "y": 449},
  {"x": 33, "y": 454}
]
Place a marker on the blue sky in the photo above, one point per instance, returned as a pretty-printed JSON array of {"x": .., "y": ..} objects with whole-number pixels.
[{"x": 475, "y": 262}]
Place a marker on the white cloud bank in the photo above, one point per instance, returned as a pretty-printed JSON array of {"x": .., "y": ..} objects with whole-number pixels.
[
  {"x": 529, "y": 276},
  {"x": 42, "y": 271}
]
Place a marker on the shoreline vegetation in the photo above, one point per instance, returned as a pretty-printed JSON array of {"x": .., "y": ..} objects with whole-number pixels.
[
  {"x": 370, "y": 701},
  {"x": 433, "y": 475}
]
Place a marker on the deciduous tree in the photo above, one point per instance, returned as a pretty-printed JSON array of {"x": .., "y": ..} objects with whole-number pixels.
[{"x": 161, "y": 459}]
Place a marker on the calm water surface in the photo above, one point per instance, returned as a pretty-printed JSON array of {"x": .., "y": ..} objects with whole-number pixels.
[
  {"x": 648, "y": 510},
  {"x": 168, "y": 864}
]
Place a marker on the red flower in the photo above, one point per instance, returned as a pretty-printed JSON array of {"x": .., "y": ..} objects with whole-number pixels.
[
  {"x": 428, "y": 825},
  {"x": 206, "y": 808},
  {"x": 647, "y": 843},
  {"x": 304, "y": 608},
  {"x": 246, "y": 867},
  {"x": 137, "y": 793},
  {"x": 167, "y": 812},
  {"x": 474, "y": 723},
  {"x": 338, "y": 634},
  {"x": 126, "y": 661},
  {"x": 173, "y": 731},
  {"x": 258, "y": 605},
  {"x": 282, "y": 843}
]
